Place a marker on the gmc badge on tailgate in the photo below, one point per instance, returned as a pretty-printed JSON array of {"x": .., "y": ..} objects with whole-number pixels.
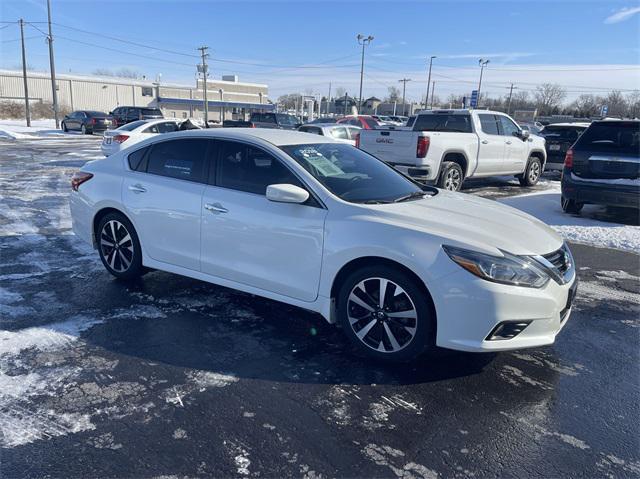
[{"x": 384, "y": 140}]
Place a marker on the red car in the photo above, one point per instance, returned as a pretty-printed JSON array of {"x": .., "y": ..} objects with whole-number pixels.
[{"x": 366, "y": 122}]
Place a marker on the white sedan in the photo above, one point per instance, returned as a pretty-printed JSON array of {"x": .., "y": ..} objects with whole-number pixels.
[
  {"x": 116, "y": 140},
  {"x": 318, "y": 224},
  {"x": 341, "y": 133}
]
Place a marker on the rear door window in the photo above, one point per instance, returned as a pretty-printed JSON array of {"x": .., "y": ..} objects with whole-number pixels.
[
  {"x": 443, "y": 122},
  {"x": 489, "y": 124},
  {"x": 184, "y": 159}
]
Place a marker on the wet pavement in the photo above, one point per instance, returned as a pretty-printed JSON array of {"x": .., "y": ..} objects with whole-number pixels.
[{"x": 173, "y": 377}]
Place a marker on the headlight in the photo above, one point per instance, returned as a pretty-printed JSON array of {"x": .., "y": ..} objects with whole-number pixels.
[{"x": 507, "y": 269}]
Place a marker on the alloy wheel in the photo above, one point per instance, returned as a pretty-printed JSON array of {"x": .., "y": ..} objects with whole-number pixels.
[
  {"x": 452, "y": 180},
  {"x": 382, "y": 315},
  {"x": 116, "y": 246},
  {"x": 534, "y": 172}
]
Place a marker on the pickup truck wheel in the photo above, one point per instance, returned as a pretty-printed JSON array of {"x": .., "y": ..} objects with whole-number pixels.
[
  {"x": 451, "y": 176},
  {"x": 571, "y": 206},
  {"x": 385, "y": 313},
  {"x": 532, "y": 174}
]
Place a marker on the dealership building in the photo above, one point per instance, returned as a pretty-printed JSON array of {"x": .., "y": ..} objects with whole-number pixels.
[{"x": 228, "y": 98}]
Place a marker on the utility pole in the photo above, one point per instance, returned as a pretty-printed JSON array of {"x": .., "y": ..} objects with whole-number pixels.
[
  {"x": 483, "y": 63},
  {"x": 24, "y": 75},
  {"x": 404, "y": 89},
  {"x": 426, "y": 100},
  {"x": 509, "y": 102},
  {"x": 205, "y": 73},
  {"x": 433, "y": 89},
  {"x": 328, "y": 98},
  {"x": 364, "y": 41},
  {"x": 54, "y": 87}
]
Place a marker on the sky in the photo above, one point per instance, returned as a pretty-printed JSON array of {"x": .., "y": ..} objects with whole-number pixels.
[{"x": 304, "y": 46}]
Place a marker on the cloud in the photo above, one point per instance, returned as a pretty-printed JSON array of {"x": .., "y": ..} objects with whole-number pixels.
[{"x": 622, "y": 15}]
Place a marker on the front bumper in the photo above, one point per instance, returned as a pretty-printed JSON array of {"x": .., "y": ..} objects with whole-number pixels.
[
  {"x": 469, "y": 309},
  {"x": 599, "y": 193}
]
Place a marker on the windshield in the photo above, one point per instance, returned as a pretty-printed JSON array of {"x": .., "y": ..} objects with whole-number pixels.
[
  {"x": 133, "y": 125},
  {"x": 612, "y": 137},
  {"x": 96, "y": 114},
  {"x": 353, "y": 175},
  {"x": 443, "y": 122},
  {"x": 287, "y": 120},
  {"x": 560, "y": 133}
]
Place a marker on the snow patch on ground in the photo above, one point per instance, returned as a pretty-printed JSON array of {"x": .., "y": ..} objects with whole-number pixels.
[
  {"x": 545, "y": 206},
  {"x": 18, "y": 129}
]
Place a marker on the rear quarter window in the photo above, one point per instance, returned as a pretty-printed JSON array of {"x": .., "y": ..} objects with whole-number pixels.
[{"x": 136, "y": 159}]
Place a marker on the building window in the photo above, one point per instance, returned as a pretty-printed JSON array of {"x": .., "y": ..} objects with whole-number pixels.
[
  {"x": 173, "y": 114},
  {"x": 184, "y": 114},
  {"x": 147, "y": 91}
]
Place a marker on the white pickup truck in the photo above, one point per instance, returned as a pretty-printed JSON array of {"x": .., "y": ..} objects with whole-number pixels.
[{"x": 446, "y": 147}]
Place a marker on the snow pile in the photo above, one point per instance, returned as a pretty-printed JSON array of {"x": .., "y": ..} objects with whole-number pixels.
[
  {"x": 545, "y": 206},
  {"x": 18, "y": 129}
]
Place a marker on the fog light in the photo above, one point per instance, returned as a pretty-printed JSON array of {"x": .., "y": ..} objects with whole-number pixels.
[{"x": 507, "y": 330}]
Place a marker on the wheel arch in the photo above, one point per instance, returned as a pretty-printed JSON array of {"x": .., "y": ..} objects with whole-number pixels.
[
  {"x": 365, "y": 261},
  {"x": 98, "y": 217},
  {"x": 456, "y": 156},
  {"x": 540, "y": 155}
]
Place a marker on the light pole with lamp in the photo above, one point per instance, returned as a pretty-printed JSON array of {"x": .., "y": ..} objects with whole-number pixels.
[
  {"x": 426, "y": 100},
  {"x": 482, "y": 63},
  {"x": 364, "y": 41}
]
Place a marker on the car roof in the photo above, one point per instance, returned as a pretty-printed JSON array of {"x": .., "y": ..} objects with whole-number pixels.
[
  {"x": 323, "y": 125},
  {"x": 580, "y": 124},
  {"x": 271, "y": 135}
]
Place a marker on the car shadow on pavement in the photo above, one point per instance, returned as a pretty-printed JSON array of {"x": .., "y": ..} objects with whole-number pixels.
[{"x": 205, "y": 327}]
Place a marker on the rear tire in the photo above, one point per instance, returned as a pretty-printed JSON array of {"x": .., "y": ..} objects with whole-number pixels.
[
  {"x": 119, "y": 247},
  {"x": 83, "y": 129},
  {"x": 399, "y": 329},
  {"x": 451, "y": 176},
  {"x": 571, "y": 206},
  {"x": 532, "y": 173}
]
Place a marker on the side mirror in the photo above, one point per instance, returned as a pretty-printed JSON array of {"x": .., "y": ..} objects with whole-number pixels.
[
  {"x": 286, "y": 193},
  {"x": 525, "y": 134},
  {"x": 110, "y": 113}
]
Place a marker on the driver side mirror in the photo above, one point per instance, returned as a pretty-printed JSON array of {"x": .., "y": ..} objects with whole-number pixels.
[
  {"x": 286, "y": 193},
  {"x": 524, "y": 135}
]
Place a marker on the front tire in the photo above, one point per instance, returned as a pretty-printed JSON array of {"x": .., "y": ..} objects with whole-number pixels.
[
  {"x": 532, "y": 173},
  {"x": 451, "y": 176},
  {"x": 119, "y": 247},
  {"x": 64, "y": 127},
  {"x": 385, "y": 314},
  {"x": 571, "y": 206}
]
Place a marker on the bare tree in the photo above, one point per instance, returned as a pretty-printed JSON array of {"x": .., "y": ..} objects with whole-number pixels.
[
  {"x": 586, "y": 105},
  {"x": 616, "y": 103},
  {"x": 633, "y": 104},
  {"x": 340, "y": 91},
  {"x": 289, "y": 100},
  {"x": 393, "y": 94},
  {"x": 549, "y": 97}
]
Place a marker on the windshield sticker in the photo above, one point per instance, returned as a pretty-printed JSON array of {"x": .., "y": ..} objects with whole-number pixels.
[{"x": 325, "y": 166}]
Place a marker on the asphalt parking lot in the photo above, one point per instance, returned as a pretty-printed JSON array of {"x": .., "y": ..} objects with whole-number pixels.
[{"x": 172, "y": 377}]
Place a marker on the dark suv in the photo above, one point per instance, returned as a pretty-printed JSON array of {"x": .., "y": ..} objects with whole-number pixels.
[
  {"x": 126, "y": 114},
  {"x": 559, "y": 137},
  {"x": 603, "y": 166}
]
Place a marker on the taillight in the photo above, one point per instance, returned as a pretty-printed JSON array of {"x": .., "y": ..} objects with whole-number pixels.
[
  {"x": 357, "y": 138},
  {"x": 568, "y": 159},
  {"x": 78, "y": 178},
  {"x": 120, "y": 138},
  {"x": 423, "y": 146},
  {"x": 92, "y": 121}
]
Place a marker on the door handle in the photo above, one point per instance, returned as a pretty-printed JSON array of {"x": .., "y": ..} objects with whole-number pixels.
[
  {"x": 215, "y": 208},
  {"x": 508, "y": 142},
  {"x": 137, "y": 188},
  {"x": 485, "y": 142}
]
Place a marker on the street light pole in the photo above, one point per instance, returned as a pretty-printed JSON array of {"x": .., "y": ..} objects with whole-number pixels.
[
  {"x": 205, "y": 72},
  {"x": 433, "y": 95},
  {"x": 54, "y": 87},
  {"x": 483, "y": 63},
  {"x": 364, "y": 41},
  {"x": 426, "y": 100},
  {"x": 404, "y": 88},
  {"x": 24, "y": 75}
]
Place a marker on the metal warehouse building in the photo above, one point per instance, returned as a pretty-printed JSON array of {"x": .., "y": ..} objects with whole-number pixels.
[{"x": 228, "y": 97}]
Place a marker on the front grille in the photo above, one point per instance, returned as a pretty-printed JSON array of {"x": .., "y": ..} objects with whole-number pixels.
[{"x": 559, "y": 259}]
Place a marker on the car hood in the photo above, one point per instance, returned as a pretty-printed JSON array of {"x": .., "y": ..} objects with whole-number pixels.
[{"x": 468, "y": 221}]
